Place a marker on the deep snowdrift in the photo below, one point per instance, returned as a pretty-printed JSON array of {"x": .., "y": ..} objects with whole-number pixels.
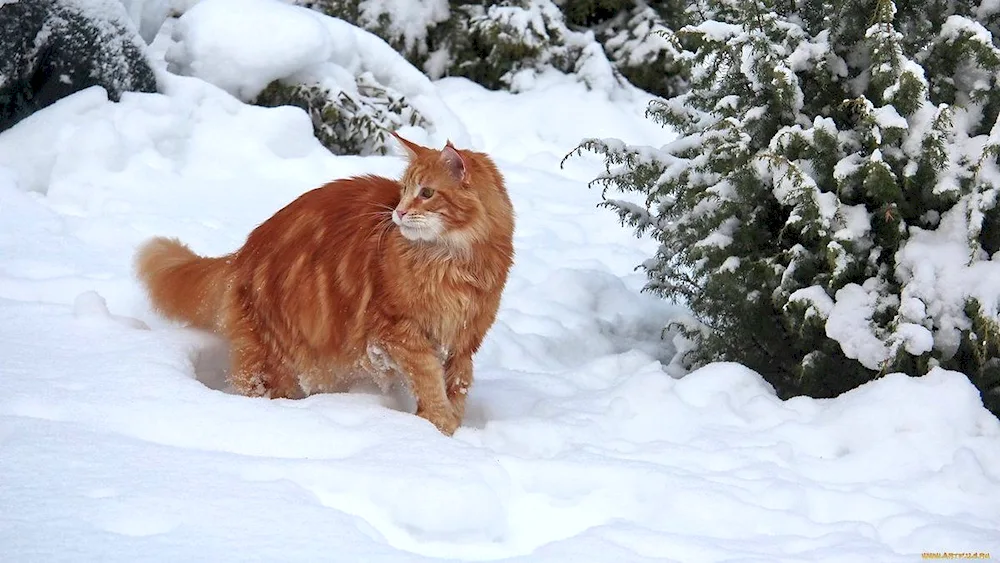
[{"x": 120, "y": 442}]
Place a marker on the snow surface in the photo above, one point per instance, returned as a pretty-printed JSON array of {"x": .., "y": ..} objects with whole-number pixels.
[{"x": 119, "y": 440}]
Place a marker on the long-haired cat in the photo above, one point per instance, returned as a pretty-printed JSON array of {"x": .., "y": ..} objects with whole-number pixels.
[{"x": 362, "y": 277}]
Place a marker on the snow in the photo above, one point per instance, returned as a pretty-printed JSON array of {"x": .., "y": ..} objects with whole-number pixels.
[
  {"x": 406, "y": 19},
  {"x": 855, "y": 220},
  {"x": 849, "y": 322},
  {"x": 816, "y": 298},
  {"x": 714, "y": 30},
  {"x": 242, "y": 46},
  {"x": 722, "y": 236},
  {"x": 987, "y": 8},
  {"x": 594, "y": 67},
  {"x": 888, "y": 118},
  {"x": 539, "y": 25},
  {"x": 121, "y": 441},
  {"x": 955, "y": 26},
  {"x": 916, "y": 339},
  {"x": 639, "y": 41},
  {"x": 148, "y": 15},
  {"x": 848, "y": 166},
  {"x": 809, "y": 52},
  {"x": 938, "y": 269},
  {"x": 358, "y": 51}
]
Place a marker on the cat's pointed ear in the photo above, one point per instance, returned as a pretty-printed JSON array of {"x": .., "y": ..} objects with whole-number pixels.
[
  {"x": 453, "y": 161},
  {"x": 412, "y": 149}
]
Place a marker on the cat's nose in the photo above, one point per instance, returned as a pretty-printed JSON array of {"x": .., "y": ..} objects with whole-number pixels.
[{"x": 401, "y": 212}]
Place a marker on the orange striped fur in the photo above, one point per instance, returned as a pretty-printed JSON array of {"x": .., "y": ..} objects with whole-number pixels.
[{"x": 364, "y": 277}]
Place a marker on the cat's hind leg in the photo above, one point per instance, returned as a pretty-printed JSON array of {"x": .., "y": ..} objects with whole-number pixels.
[{"x": 257, "y": 371}]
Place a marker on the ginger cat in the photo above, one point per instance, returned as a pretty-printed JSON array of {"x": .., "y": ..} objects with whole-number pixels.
[{"x": 362, "y": 277}]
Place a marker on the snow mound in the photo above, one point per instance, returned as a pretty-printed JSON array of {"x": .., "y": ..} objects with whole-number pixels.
[{"x": 244, "y": 45}]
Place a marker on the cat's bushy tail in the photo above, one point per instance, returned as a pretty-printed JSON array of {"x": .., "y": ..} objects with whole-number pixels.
[{"x": 182, "y": 285}]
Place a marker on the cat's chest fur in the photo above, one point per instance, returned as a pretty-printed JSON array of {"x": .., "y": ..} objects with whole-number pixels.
[{"x": 445, "y": 300}]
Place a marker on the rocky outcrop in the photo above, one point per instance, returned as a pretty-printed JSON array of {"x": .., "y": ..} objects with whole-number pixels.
[{"x": 52, "y": 48}]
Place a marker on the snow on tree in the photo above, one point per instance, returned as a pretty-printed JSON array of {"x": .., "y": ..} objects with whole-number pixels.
[
  {"x": 404, "y": 24},
  {"x": 507, "y": 43},
  {"x": 828, "y": 210},
  {"x": 501, "y": 44},
  {"x": 52, "y": 48},
  {"x": 638, "y": 48},
  {"x": 347, "y": 120}
]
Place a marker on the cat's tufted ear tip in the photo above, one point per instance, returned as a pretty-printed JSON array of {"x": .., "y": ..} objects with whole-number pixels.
[
  {"x": 412, "y": 149},
  {"x": 453, "y": 160}
]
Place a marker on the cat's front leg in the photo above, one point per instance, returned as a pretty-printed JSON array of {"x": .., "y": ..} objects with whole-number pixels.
[
  {"x": 458, "y": 381},
  {"x": 425, "y": 375}
]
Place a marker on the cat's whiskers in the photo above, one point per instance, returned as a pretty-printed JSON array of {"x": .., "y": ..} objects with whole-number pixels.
[
  {"x": 387, "y": 218},
  {"x": 386, "y": 227},
  {"x": 385, "y": 213},
  {"x": 379, "y": 225},
  {"x": 383, "y": 226}
]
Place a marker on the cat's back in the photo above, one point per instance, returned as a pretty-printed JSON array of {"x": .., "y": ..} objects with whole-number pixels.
[
  {"x": 346, "y": 198},
  {"x": 359, "y": 194},
  {"x": 341, "y": 208}
]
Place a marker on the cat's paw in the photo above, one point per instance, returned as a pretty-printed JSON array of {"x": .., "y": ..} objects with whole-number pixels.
[{"x": 444, "y": 418}]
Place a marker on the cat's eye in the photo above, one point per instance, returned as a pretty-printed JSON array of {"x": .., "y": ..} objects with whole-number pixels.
[{"x": 426, "y": 193}]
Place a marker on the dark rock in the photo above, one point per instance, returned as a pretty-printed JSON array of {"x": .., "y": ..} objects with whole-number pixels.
[{"x": 53, "y": 48}]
